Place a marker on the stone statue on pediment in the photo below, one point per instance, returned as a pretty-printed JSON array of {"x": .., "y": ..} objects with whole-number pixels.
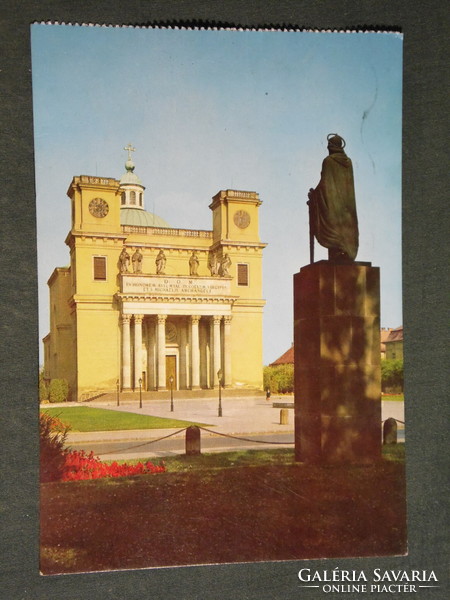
[
  {"x": 225, "y": 264},
  {"x": 193, "y": 264},
  {"x": 160, "y": 263},
  {"x": 136, "y": 259},
  {"x": 213, "y": 264},
  {"x": 124, "y": 261}
]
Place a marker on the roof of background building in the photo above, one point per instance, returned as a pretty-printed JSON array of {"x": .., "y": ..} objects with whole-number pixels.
[
  {"x": 384, "y": 334},
  {"x": 140, "y": 218},
  {"x": 395, "y": 335},
  {"x": 285, "y": 359}
]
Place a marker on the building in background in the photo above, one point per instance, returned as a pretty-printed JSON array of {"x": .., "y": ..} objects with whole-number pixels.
[
  {"x": 384, "y": 334},
  {"x": 394, "y": 344},
  {"x": 145, "y": 304}
]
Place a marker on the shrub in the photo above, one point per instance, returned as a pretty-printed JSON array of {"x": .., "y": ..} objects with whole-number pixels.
[
  {"x": 392, "y": 375},
  {"x": 52, "y": 438},
  {"x": 58, "y": 390},
  {"x": 43, "y": 388},
  {"x": 279, "y": 379},
  {"x": 58, "y": 463},
  {"x": 79, "y": 465}
]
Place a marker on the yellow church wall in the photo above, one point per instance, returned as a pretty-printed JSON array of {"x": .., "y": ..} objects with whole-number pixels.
[
  {"x": 85, "y": 252},
  {"x": 253, "y": 259},
  {"x": 246, "y": 347},
  {"x": 60, "y": 349},
  {"x": 98, "y": 337}
]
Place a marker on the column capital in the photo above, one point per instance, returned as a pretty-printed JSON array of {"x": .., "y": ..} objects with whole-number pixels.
[
  {"x": 227, "y": 319},
  {"x": 216, "y": 319},
  {"x": 125, "y": 319},
  {"x": 195, "y": 319},
  {"x": 161, "y": 318},
  {"x": 138, "y": 318}
]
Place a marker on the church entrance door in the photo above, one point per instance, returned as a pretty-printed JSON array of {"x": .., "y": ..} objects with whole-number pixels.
[{"x": 171, "y": 370}]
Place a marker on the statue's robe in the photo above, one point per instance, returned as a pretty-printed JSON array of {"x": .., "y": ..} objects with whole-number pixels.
[{"x": 334, "y": 218}]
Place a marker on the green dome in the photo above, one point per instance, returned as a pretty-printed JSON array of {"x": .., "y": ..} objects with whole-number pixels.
[
  {"x": 130, "y": 178},
  {"x": 140, "y": 218}
]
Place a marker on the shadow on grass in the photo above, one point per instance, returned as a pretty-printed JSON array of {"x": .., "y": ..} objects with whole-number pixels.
[{"x": 236, "y": 507}]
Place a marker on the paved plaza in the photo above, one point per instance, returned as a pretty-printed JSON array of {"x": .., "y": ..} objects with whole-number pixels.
[{"x": 240, "y": 416}]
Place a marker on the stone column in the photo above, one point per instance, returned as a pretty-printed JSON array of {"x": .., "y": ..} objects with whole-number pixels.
[
  {"x": 161, "y": 351},
  {"x": 183, "y": 366},
  {"x": 217, "y": 359},
  {"x": 137, "y": 349},
  {"x": 151, "y": 358},
  {"x": 227, "y": 350},
  {"x": 126, "y": 353},
  {"x": 195, "y": 352}
]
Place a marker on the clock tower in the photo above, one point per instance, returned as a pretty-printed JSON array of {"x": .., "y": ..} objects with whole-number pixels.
[
  {"x": 95, "y": 204},
  {"x": 235, "y": 216}
]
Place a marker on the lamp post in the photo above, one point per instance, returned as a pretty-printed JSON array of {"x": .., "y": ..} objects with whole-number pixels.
[
  {"x": 140, "y": 392},
  {"x": 171, "y": 392},
  {"x": 118, "y": 390},
  {"x": 219, "y": 376}
]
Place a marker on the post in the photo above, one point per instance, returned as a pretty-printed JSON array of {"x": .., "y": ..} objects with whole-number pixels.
[
  {"x": 390, "y": 431},
  {"x": 171, "y": 393},
  {"x": 219, "y": 375},
  {"x": 284, "y": 416},
  {"x": 193, "y": 440},
  {"x": 140, "y": 392},
  {"x": 117, "y": 392}
]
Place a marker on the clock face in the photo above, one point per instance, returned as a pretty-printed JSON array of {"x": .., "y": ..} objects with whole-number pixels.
[
  {"x": 98, "y": 207},
  {"x": 242, "y": 219}
]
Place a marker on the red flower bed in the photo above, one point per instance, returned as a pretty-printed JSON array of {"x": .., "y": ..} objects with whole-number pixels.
[{"x": 79, "y": 465}]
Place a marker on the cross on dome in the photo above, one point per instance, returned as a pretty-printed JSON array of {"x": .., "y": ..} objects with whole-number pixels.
[
  {"x": 129, "y": 149},
  {"x": 129, "y": 165}
]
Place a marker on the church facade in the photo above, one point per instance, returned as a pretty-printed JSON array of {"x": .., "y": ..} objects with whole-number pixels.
[{"x": 144, "y": 305}]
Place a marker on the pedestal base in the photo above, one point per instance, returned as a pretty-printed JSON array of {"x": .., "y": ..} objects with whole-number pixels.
[{"x": 337, "y": 363}]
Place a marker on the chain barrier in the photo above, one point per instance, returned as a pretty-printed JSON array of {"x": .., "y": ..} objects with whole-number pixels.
[
  {"x": 144, "y": 444},
  {"x": 234, "y": 437},
  {"x": 226, "y": 435}
]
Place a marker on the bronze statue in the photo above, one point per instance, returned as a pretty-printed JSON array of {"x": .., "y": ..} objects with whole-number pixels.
[{"x": 332, "y": 208}]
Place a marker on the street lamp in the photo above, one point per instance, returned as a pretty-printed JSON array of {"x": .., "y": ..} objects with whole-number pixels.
[
  {"x": 140, "y": 392},
  {"x": 118, "y": 390},
  {"x": 171, "y": 392},
  {"x": 219, "y": 376}
]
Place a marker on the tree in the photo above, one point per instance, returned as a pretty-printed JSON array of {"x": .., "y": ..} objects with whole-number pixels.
[
  {"x": 279, "y": 379},
  {"x": 392, "y": 375}
]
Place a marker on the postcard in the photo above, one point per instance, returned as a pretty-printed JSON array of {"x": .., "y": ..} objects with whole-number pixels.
[
  {"x": 183, "y": 177},
  {"x": 222, "y": 405}
]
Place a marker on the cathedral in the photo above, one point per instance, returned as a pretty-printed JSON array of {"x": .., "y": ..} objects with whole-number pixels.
[{"x": 147, "y": 306}]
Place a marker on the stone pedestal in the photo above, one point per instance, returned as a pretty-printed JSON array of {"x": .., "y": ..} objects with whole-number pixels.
[{"x": 337, "y": 363}]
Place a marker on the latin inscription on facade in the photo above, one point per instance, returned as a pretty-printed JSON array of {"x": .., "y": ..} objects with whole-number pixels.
[{"x": 178, "y": 286}]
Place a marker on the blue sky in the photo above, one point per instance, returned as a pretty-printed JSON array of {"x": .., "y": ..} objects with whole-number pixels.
[{"x": 212, "y": 110}]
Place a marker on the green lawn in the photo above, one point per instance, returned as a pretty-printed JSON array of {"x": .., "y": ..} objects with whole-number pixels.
[
  {"x": 86, "y": 418},
  {"x": 235, "y": 507},
  {"x": 393, "y": 397}
]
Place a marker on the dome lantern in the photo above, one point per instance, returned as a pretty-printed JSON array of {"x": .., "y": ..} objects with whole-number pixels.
[{"x": 132, "y": 211}]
